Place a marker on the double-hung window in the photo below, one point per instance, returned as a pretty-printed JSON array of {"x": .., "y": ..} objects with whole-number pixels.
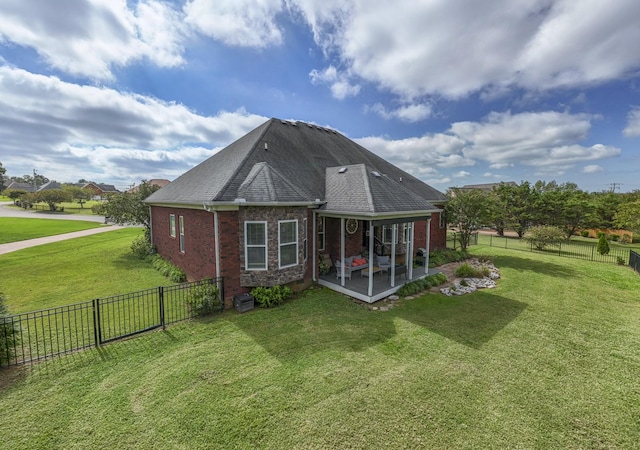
[
  {"x": 181, "y": 220},
  {"x": 288, "y": 243},
  {"x": 255, "y": 245},
  {"x": 172, "y": 225}
]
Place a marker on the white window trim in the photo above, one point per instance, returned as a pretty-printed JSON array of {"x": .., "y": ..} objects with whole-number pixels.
[
  {"x": 172, "y": 225},
  {"x": 181, "y": 226},
  {"x": 247, "y": 246},
  {"x": 322, "y": 234},
  {"x": 280, "y": 244},
  {"x": 305, "y": 243}
]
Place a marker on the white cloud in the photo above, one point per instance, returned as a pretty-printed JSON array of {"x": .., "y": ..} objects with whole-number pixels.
[
  {"x": 68, "y": 131},
  {"x": 341, "y": 88},
  {"x": 92, "y": 37},
  {"x": 633, "y": 123},
  {"x": 592, "y": 168},
  {"x": 462, "y": 174},
  {"x": 408, "y": 113},
  {"x": 241, "y": 23},
  {"x": 488, "y": 47}
]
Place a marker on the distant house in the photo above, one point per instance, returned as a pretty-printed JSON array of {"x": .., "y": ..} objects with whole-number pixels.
[
  {"x": 50, "y": 185},
  {"x": 160, "y": 182},
  {"x": 16, "y": 186},
  {"x": 264, "y": 211},
  {"x": 99, "y": 190}
]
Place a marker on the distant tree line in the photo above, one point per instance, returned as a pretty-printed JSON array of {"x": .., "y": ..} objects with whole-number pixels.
[{"x": 519, "y": 207}]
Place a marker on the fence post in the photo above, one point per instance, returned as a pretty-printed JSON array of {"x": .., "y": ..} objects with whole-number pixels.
[
  {"x": 593, "y": 249},
  {"x": 161, "y": 306},
  {"x": 97, "y": 332}
]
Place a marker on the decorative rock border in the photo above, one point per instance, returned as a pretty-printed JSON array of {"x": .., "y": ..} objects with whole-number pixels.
[{"x": 468, "y": 285}]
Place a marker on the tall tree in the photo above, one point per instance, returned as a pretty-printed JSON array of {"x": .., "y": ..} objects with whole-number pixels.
[
  {"x": 519, "y": 201},
  {"x": 467, "y": 210},
  {"x": 628, "y": 216}
]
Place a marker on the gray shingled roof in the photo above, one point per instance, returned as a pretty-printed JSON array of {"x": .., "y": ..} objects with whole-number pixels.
[{"x": 286, "y": 161}]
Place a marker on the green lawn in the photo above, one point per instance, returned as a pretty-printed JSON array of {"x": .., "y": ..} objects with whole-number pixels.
[
  {"x": 75, "y": 270},
  {"x": 15, "y": 229},
  {"x": 69, "y": 208},
  {"x": 549, "y": 359}
]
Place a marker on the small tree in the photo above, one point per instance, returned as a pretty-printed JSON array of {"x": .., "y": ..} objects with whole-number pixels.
[
  {"x": 467, "y": 210},
  {"x": 542, "y": 235},
  {"x": 603, "y": 245},
  {"x": 79, "y": 195},
  {"x": 53, "y": 196}
]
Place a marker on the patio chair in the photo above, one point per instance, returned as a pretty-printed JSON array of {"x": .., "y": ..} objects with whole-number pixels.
[{"x": 384, "y": 263}]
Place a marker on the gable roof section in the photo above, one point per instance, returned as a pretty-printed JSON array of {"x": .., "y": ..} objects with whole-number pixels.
[
  {"x": 295, "y": 157},
  {"x": 362, "y": 190}
]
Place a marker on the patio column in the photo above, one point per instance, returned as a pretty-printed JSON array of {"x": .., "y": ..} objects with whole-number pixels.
[
  {"x": 313, "y": 246},
  {"x": 371, "y": 258},
  {"x": 394, "y": 238},
  {"x": 410, "y": 251},
  {"x": 342, "y": 251},
  {"x": 426, "y": 257}
]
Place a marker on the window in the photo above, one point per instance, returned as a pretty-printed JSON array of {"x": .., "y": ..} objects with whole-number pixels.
[
  {"x": 181, "y": 218},
  {"x": 255, "y": 245},
  {"x": 172, "y": 225},
  {"x": 288, "y": 243},
  {"x": 321, "y": 235},
  {"x": 443, "y": 220},
  {"x": 304, "y": 241}
]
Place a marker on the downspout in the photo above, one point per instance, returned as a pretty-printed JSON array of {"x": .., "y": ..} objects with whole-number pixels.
[
  {"x": 371, "y": 256},
  {"x": 150, "y": 227},
  {"x": 426, "y": 258},
  {"x": 410, "y": 251},
  {"x": 216, "y": 243}
]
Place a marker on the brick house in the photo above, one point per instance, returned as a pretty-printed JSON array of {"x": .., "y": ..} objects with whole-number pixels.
[{"x": 266, "y": 209}]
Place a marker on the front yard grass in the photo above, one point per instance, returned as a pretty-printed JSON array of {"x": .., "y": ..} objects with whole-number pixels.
[
  {"x": 74, "y": 271},
  {"x": 549, "y": 359},
  {"x": 14, "y": 229}
]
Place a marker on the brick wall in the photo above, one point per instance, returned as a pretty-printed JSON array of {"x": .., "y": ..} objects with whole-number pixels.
[{"x": 438, "y": 236}]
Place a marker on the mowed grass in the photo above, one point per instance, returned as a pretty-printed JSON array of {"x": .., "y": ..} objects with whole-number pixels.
[
  {"x": 549, "y": 359},
  {"x": 15, "y": 229},
  {"x": 75, "y": 270}
]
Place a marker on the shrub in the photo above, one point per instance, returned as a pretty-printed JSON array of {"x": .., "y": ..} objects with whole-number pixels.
[
  {"x": 614, "y": 237},
  {"x": 266, "y": 297},
  {"x": 542, "y": 235},
  {"x": 466, "y": 271},
  {"x": 440, "y": 257},
  {"x": 620, "y": 261},
  {"x": 9, "y": 334},
  {"x": 174, "y": 273},
  {"x": 584, "y": 233},
  {"x": 603, "y": 245},
  {"x": 625, "y": 239},
  {"x": 141, "y": 247},
  {"x": 422, "y": 284},
  {"x": 203, "y": 299}
]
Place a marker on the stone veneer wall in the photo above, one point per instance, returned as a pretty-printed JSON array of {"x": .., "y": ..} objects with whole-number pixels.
[{"x": 274, "y": 275}]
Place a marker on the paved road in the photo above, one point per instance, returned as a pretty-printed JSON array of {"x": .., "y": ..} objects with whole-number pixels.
[{"x": 21, "y": 213}]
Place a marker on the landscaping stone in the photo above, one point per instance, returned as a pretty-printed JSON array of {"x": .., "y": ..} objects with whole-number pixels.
[
  {"x": 394, "y": 297},
  {"x": 468, "y": 285}
]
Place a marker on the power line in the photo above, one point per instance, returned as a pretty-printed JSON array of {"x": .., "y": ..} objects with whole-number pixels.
[{"x": 615, "y": 186}]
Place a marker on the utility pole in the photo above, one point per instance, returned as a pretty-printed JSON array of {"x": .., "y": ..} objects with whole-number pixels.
[
  {"x": 35, "y": 183},
  {"x": 615, "y": 186}
]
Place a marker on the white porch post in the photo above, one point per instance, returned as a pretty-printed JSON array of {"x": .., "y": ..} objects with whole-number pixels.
[
  {"x": 394, "y": 238},
  {"x": 371, "y": 258},
  {"x": 410, "y": 251},
  {"x": 313, "y": 246},
  {"x": 426, "y": 257},
  {"x": 342, "y": 243}
]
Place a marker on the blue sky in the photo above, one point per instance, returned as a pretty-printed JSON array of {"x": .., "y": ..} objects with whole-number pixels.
[{"x": 453, "y": 92}]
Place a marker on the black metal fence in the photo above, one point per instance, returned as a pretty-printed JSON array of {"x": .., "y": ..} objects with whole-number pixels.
[
  {"x": 569, "y": 249},
  {"x": 453, "y": 239},
  {"x": 51, "y": 332},
  {"x": 634, "y": 261}
]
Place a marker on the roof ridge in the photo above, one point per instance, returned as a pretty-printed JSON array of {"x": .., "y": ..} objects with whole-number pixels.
[{"x": 248, "y": 154}]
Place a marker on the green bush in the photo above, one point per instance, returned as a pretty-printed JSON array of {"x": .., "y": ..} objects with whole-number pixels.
[
  {"x": 542, "y": 235},
  {"x": 584, "y": 233},
  {"x": 422, "y": 284},
  {"x": 614, "y": 237},
  {"x": 466, "y": 271},
  {"x": 620, "y": 261},
  {"x": 174, "y": 273},
  {"x": 603, "y": 245},
  {"x": 9, "y": 334},
  {"x": 141, "y": 247},
  {"x": 266, "y": 297},
  {"x": 441, "y": 257},
  {"x": 203, "y": 299}
]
